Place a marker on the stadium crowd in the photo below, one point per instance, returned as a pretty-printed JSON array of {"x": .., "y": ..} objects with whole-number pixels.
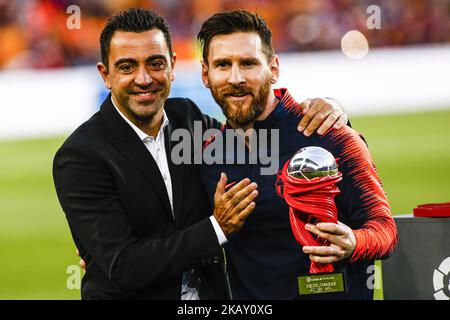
[{"x": 33, "y": 33}]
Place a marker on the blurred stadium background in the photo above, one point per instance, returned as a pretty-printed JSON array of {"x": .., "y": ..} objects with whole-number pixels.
[{"x": 397, "y": 96}]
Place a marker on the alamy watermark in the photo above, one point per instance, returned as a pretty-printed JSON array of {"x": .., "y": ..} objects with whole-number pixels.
[
  {"x": 374, "y": 279},
  {"x": 73, "y": 281},
  {"x": 209, "y": 147},
  {"x": 74, "y": 20},
  {"x": 374, "y": 20}
]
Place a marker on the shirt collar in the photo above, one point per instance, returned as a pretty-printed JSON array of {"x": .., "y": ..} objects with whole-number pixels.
[{"x": 142, "y": 135}]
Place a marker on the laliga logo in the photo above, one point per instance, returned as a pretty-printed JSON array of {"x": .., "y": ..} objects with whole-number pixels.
[{"x": 441, "y": 281}]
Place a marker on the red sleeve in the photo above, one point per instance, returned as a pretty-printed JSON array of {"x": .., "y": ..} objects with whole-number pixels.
[{"x": 376, "y": 235}]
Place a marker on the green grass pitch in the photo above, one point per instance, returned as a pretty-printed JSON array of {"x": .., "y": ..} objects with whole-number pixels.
[{"x": 411, "y": 152}]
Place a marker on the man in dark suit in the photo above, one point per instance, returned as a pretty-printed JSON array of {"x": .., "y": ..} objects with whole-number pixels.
[{"x": 142, "y": 224}]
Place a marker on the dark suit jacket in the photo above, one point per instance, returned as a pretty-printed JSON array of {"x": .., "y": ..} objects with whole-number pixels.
[{"x": 119, "y": 214}]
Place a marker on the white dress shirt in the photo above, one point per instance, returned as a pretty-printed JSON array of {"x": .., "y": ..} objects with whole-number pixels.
[{"x": 156, "y": 147}]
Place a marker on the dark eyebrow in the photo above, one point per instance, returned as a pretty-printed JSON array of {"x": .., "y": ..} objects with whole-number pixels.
[
  {"x": 156, "y": 57},
  {"x": 254, "y": 60},
  {"x": 219, "y": 61},
  {"x": 133, "y": 61},
  {"x": 123, "y": 60}
]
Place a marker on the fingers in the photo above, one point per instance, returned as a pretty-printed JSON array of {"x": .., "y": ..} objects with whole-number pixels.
[
  {"x": 232, "y": 207},
  {"x": 83, "y": 264},
  {"x": 321, "y": 250},
  {"x": 329, "y": 121},
  {"x": 228, "y": 195},
  {"x": 314, "y": 229},
  {"x": 322, "y": 254},
  {"x": 341, "y": 237},
  {"x": 241, "y": 205},
  {"x": 328, "y": 231},
  {"x": 321, "y": 114},
  {"x": 341, "y": 121},
  {"x": 245, "y": 213},
  {"x": 238, "y": 219},
  {"x": 245, "y": 202},
  {"x": 239, "y": 196},
  {"x": 220, "y": 188},
  {"x": 327, "y": 227},
  {"x": 307, "y": 114},
  {"x": 305, "y": 105},
  {"x": 317, "y": 114},
  {"x": 338, "y": 116}
]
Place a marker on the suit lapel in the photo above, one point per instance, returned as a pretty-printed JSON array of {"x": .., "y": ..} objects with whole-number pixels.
[
  {"x": 176, "y": 171},
  {"x": 129, "y": 144}
]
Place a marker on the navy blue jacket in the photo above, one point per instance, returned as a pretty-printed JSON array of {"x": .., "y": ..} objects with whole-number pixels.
[{"x": 263, "y": 258}]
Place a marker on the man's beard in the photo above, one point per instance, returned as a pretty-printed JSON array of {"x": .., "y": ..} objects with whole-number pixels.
[{"x": 236, "y": 114}]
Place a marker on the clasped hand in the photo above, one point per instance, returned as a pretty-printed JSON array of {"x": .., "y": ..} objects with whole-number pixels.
[{"x": 342, "y": 242}]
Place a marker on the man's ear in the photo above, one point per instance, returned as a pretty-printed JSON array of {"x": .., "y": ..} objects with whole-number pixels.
[
  {"x": 274, "y": 66},
  {"x": 103, "y": 70},
  {"x": 173, "y": 61},
  {"x": 205, "y": 73}
]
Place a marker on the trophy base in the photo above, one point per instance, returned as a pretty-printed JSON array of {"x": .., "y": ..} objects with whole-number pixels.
[{"x": 320, "y": 283}]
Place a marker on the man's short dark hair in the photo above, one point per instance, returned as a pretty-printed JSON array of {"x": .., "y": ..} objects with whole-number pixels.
[
  {"x": 235, "y": 21},
  {"x": 133, "y": 20}
]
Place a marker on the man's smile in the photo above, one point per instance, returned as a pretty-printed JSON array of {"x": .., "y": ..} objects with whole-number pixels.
[{"x": 145, "y": 95}]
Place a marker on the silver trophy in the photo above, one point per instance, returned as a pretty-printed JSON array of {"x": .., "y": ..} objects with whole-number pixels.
[{"x": 312, "y": 162}]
